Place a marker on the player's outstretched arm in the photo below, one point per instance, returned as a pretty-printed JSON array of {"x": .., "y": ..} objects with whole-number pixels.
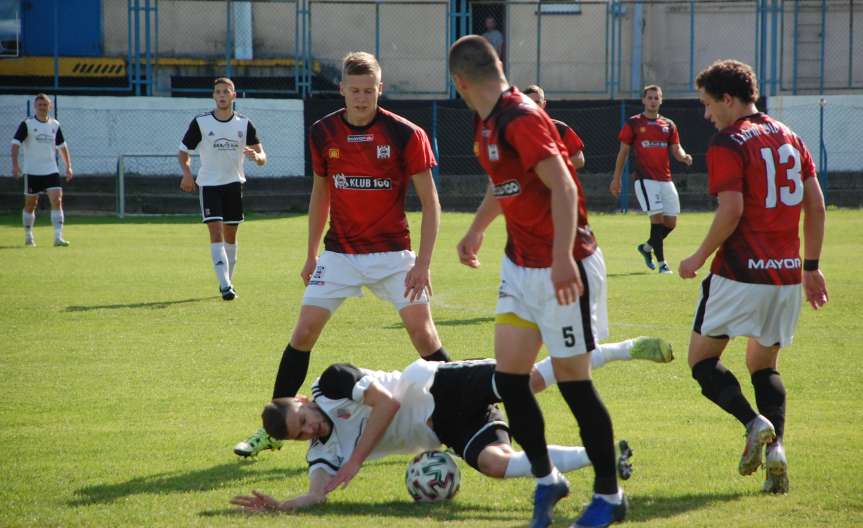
[
  {"x": 724, "y": 223},
  {"x": 319, "y": 210},
  {"x": 384, "y": 408},
  {"x": 468, "y": 246},
  {"x": 259, "y": 502},
  {"x": 814, "y": 218},
  {"x": 418, "y": 279},
  {"x": 622, "y": 155}
]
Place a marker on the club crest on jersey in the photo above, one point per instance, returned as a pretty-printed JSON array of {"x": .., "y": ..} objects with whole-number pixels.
[
  {"x": 211, "y": 133},
  {"x": 239, "y": 133},
  {"x": 507, "y": 189},
  {"x": 333, "y": 153},
  {"x": 344, "y": 414},
  {"x": 493, "y": 154},
  {"x": 383, "y": 152},
  {"x": 665, "y": 130},
  {"x": 642, "y": 129},
  {"x": 44, "y": 138},
  {"x": 361, "y": 138},
  {"x": 476, "y": 148}
]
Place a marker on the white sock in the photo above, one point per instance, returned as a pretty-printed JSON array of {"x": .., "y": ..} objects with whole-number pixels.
[
  {"x": 611, "y": 352},
  {"x": 552, "y": 478},
  {"x": 57, "y": 220},
  {"x": 220, "y": 264},
  {"x": 231, "y": 252},
  {"x": 615, "y": 498},
  {"x": 564, "y": 458},
  {"x": 28, "y": 219},
  {"x": 546, "y": 371}
]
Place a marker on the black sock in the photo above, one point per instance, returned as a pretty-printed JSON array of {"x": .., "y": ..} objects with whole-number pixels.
[
  {"x": 525, "y": 419},
  {"x": 720, "y": 386},
  {"x": 292, "y": 372},
  {"x": 655, "y": 241},
  {"x": 770, "y": 398},
  {"x": 666, "y": 231},
  {"x": 438, "y": 355},
  {"x": 597, "y": 435}
]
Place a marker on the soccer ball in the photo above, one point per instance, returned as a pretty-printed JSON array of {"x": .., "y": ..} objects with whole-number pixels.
[{"x": 432, "y": 476}]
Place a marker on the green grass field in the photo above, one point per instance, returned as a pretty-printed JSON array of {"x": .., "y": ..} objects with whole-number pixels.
[{"x": 126, "y": 381}]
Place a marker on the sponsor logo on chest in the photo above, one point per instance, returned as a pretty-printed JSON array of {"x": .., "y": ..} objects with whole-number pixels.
[
  {"x": 343, "y": 414},
  {"x": 225, "y": 144},
  {"x": 361, "y": 183},
  {"x": 333, "y": 153},
  {"x": 654, "y": 144},
  {"x": 42, "y": 137},
  {"x": 361, "y": 138},
  {"x": 507, "y": 189}
]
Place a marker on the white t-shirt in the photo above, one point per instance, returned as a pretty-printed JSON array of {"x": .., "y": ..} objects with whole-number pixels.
[
  {"x": 39, "y": 141},
  {"x": 339, "y": 393},
  {"x": 220, "y": 144}
]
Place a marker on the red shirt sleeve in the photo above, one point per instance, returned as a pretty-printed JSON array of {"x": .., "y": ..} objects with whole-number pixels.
[
  {"x": 724, "y": 170},
  {"x": 319, "y": 163},
  {"x": 533, "y": 138},
  {"x": 627, "y": 134},
  {"x": 807, "y": 169},
  {"x": 573, "y": 143},
  {"x": 418, "y": 155},
  {"x": 675, "y": 137}
]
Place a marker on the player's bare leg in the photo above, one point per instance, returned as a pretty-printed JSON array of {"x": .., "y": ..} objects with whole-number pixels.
[
  {"x": 770, "y": 398},
  {"x": 28, "y": 217},
  {"x": 422, "y": 332}
]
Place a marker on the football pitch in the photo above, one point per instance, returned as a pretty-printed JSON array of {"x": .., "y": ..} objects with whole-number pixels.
[{"x": 126, "y": 381}]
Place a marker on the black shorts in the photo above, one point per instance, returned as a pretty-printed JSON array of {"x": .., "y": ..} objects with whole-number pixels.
[
  {"x": 39, "y": 184},
  {"x": 222, "y": 203},
  {"x": 466, "y": 418}
]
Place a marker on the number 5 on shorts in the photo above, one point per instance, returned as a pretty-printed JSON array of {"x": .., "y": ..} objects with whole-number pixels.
[{"x": 568, "y": 336}]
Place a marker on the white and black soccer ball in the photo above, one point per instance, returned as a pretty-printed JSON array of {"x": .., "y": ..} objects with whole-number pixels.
[{"x": 432, "y": 476}]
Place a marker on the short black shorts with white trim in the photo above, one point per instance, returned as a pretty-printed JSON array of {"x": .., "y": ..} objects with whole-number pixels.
[
  {"x": 39, "y": 184},
  {"x": 466, "y": 418},
  {"x": 222, "y": 203}
]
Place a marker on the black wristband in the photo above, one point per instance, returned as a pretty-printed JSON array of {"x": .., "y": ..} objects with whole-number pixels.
[{"x": 810, "y": 264}]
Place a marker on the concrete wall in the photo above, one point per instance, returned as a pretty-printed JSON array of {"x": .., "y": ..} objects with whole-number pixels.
[{"x": 100, "y": 129}]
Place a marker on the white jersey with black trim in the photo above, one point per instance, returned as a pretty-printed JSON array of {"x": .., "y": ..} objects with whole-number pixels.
[
  {"x": 39, "y": 141},
  {"x": 408, "y": 433},
  {"x": 220, "y": 144}
]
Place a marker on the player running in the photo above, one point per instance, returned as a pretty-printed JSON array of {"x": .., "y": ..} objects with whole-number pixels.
[{"x": 763, "y": 176}]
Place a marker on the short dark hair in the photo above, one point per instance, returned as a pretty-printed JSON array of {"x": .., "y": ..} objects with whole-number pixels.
[
  {"x": 534, "y": 89},
  {"x": 730, "y": 77},
  {"x": 649, "y": 88},
  {"x": 225, "y": 80},
  {"x": 275, "y": 418},
  {"x": 360, "y": 63},
  {"x": 473, "y": 57},
  {"x": 42, "y": 96}
]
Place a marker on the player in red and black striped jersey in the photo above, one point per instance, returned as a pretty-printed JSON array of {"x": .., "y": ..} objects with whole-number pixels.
[
  {"x": 651, "y": 137},
  {"x": 573, "y": 142},
  {"x": 552, "y": 288},
  {"x": 764, "y": 177},
  {"x": 363, "y": 158}
]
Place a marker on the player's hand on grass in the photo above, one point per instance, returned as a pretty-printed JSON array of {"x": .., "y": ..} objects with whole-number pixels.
[
  {"x": 187, "y": 184},
  {"x": 566, "y": 280},
  {"x": 308, "y": 269},
  {"x": 816, "y": 288},
  {"x": 614, "y": 187},
  {"x": 468, "y": 248},
  {"x": 343, "y": 477},
  {"x": 689, "y": 266},
  {"x": 256, "y": 503},
  {"x": 417, "y": 280}
]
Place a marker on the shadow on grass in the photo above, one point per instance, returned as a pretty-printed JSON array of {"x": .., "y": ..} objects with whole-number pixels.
[
  {"x": 653, "y": 507},
  {"x": 106, "y": 218},
  {"x": 22, "y": 246},
  {"x": 441, "y": 512},
  {"x": 631, "y": 274},
  {"x": 449, "y": 322},
  {"x": 155, "y": 305},
  {"x": 221, "y": 476}
]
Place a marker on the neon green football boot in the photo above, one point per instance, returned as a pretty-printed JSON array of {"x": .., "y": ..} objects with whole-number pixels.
[
  {"x": 256, "y": 443},
  {"x": 652, "y": 349}
]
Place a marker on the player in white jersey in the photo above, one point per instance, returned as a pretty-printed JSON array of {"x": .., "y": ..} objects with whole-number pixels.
[
  {"x": 358, "y": 414},
  {"x": 222, "y": 137},
  {"x": 41, "y": 138}
]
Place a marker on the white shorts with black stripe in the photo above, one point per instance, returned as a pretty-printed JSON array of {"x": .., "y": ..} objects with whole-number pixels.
[
  {"x": 766, "y": 312},
  {"x": 566, "y": 330},
  {"x": 657, "y": 197}
]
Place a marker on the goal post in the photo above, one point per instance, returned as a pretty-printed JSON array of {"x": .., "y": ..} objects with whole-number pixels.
[{"x": 153, "y": 181}]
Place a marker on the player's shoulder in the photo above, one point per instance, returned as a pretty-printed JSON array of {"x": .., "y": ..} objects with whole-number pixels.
[
  {"x": 397, "y": 120},
  {"x": 635, "y": 118},
  {"x": 328, "y": 119},
  {"x": 664, "y": 119},
  {"x": 241, "y": 116},
  {"x": 560, "y": 124}
]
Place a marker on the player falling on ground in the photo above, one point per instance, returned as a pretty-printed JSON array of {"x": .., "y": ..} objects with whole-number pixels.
[
  {"x": 41, "y": 138},
  {"x": 763, "y": 176},
  {"x": 552, "y": 288},
  {"x": 363, "y": 158},
  {"x": 573, "y": 142},
  {"x": 222, "y": 137},
  {"x": 651, "y": 136},
  {"x": 357, "y": 415}
]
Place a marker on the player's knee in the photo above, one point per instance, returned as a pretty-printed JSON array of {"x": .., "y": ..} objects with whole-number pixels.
[
  {"x": 305, "y": 335},
  {"x": 492, "y": 463}
]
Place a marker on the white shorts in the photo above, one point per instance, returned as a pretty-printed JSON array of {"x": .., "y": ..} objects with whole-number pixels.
[
  {"x": 566, "y": 330},
  {"x": 342, "y": 275},
  {"x": 657, "y": 197},
  {"x": 766, "y": 312}
]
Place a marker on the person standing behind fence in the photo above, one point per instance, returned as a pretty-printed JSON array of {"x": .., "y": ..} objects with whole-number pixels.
[
  {"x": 222, "y": 137},
  {"x": 573, "y": 142},
  {"x": 493, "y": 35},
  {"x": 764, "y": 177},
  {"x": 552, "y": 288},
  {"x": 41, "y": 138},
  {"x": 652, "y": 136},
  {"x": 363, "y": 159}
]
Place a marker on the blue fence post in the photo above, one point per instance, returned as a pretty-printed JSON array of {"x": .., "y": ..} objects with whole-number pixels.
[
  {"x": 635, "y": 67},
  {"x": 823, "y": 41},
  {"x": 137, "y": 52},
  {"x": 28, "y": 107},
  {"x": 436, "y": 169},
  {"x": 774, "y": 43},
  {"x": 149, "y": 68},
  {"x": 623, "y": 199},
  {"x": 850, "y": 43},
  {"x": 822, "y": 156}
]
